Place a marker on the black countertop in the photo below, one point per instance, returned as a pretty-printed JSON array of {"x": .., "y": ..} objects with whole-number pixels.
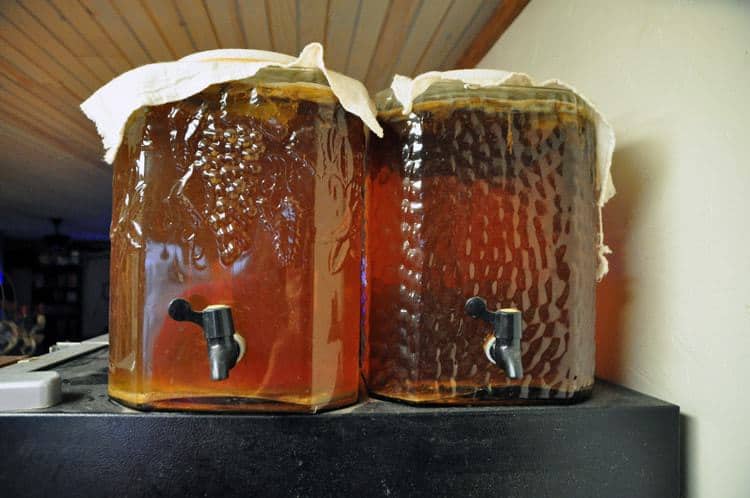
[{"x": 617, "y": 443}]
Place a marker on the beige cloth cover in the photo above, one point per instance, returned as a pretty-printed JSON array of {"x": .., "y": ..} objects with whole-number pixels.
[
  {"x": 110, "y": 107},
  {"x": 406, "y": 90},
  {"x": 155, "y": 84}
]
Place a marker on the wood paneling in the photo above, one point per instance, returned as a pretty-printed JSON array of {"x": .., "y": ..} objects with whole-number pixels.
[
  {"x": 99, "y": 41},
  {"x": 367, "y": 31},
  {"x": 51, "y": 30},
  {"x": 225, "y": 19},
  {"x": 171, "y": 26},
  {"x": 342, "y": 20},
  {"x": 19, "y": 46},
  {"x": 282, "y": 20},
  {"x": 197, "y": 23},
  {"x": 121, "y": 34},
  {"x": 448, "y": 34},
  {"x": 313, "y": 21},
  {"x": 503, "y": 16},
  {"x": 142, "y": 26},
  {"x": 428, "y": 19},
  {"x": 391, "y": 37},
  {"x": 469, "y": 33},
  {"x": 55, "y": 53},
  {"x": 254, "y": 21}
]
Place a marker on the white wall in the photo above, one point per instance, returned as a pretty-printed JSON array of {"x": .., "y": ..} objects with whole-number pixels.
[{"x": 673, "y": 78}]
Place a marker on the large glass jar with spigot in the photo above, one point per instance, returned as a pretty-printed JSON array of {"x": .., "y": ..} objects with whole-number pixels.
[
  {"x": 482, "y": 233},
  {"x": 236, "y": 249}
]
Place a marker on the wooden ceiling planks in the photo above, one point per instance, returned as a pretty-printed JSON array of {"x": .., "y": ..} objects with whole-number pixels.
[
  {"x": 69, "y": 38},
  {"x": 55, "y": 53},
  {"x": 37, "y": 131},
  {"x": 167, "y": 20},
  {"x": 367, "y": 31},
  {"x": 282, "y": 21},
  {"x": 21, "y": 50},
  {"x": 447, "y": 34},
  {"x": 198, "y": 23},
  {"x": 142, "y": 25},
  {"x": 491, "y": 31},
  {"x": 122, "y": 35},
  {"x": 469, "y": 33},
  {"x": 48, "y": 169},
  {"x": 83, "y": 24},
  {"x": 314, "y": 17},
  {"x": 35, "y": 34},
  {"x": 253, "y": 19},
  {"x": 430, "y": 16},
  {"x": 342, "y": 20},
  {"x": 73, "y": 53},
  {"x": 75, "y": 137},
  {"x": 226, "y": 21},
  {"x": 41, "y": 129},
  {"x": 39, "y": 91},
  {"x": 13, "y": 90},
  {"x": 392, "y": 36}
]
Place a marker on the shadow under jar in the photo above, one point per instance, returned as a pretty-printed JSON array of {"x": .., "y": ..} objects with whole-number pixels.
[
  {"x": 236, "y": 250},
  {"x": 482, "y": 228}
]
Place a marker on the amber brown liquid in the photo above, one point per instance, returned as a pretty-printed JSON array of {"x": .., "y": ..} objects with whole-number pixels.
[
  {"x": 480, "y": 201},
  {"x": 249, "y": 197}
]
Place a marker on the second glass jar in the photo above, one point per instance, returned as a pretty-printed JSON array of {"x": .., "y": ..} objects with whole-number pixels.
[{"x": 481, "y": 247}]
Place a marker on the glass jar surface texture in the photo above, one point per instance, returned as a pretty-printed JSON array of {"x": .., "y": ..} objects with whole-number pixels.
[{"x": 481, "y": 192}]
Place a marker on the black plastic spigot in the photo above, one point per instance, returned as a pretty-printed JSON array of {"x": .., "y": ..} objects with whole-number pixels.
[
  {"x": 505, "y": 348},
  {"x": 224, "y": 346}
]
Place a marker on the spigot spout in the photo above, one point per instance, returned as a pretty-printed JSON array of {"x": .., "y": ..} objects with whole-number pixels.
[
  {"x": 508, "y": 357},
  {"x": 225, "y": 348},
  {"x": 221, "y": 357},
  {"x": 504, "y": 349}
]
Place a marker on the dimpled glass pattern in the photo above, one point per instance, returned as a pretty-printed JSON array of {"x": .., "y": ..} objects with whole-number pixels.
[{"x": 481, "y": 192}]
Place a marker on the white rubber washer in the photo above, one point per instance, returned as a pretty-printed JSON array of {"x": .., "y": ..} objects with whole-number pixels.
[{"x": 488, "y": 345}]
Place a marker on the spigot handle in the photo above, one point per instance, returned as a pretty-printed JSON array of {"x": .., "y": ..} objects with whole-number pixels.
[
  {"x": 504, "y": 349},
  {"x": 181, "y": 311},
  {"x": 224, "y": 347}
]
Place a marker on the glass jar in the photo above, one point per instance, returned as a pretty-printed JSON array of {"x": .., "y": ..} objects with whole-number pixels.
[
  {"x": 236, "y": 249},
  {"x": 481, "y": 249}
]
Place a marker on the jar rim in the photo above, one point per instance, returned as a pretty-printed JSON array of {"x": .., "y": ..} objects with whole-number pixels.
[
  {"x": 300, "y": 83},
  {"x": 289, "y": 75},
  {"x": 451, "y": 92}
]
